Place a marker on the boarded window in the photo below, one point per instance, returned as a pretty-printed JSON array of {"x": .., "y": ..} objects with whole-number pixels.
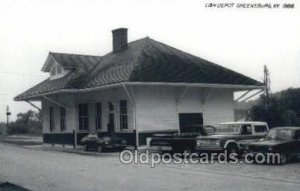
[
  {"x": 62, "y": 119},
  {"x": 51, "y": 119},
  {"x": 98, "y": 115},
  {"x": 123, "y": 115},
  {"x": 83, "y": 117}
]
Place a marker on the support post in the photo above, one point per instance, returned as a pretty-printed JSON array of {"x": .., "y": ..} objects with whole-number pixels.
[
  {"x": 260, "y": 91},
  {"x": 243, "y": 95},
  {"x": 33, "y": 105},
  {"x": 132, "y": 100}
]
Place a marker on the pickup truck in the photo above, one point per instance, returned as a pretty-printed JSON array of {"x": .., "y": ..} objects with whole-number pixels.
[
  {"x": 233, "y": 137},
  {"x": 179, "y": 142}
]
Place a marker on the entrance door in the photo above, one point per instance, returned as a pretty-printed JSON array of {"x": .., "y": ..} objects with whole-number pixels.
[
  {"x": 111, "y": 123},
  {"x": 189, "y": 121}
]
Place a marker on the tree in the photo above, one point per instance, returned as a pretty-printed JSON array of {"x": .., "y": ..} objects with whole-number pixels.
[
  {"x": 281, "y": 109},
  {"x": 26, "y": 123}
]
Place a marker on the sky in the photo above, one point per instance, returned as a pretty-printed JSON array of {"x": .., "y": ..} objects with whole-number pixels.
[{"x": 243, "y": 40}]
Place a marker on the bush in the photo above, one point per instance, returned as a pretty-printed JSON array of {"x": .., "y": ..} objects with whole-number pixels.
[
  {"x": 26, "y": 123},
  {"x": 282, "y": 109}
]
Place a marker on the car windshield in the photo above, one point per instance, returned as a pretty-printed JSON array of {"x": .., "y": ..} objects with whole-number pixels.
[
  {"x": 285, "y": 134},
  {"x": 228, "y": 129}
]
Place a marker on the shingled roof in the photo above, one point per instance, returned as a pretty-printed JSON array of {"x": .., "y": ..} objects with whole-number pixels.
[{"x": 145, "y": 60}]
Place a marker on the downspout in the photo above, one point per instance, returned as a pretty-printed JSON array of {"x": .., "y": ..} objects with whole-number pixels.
[{"x": 132, "y": 100}]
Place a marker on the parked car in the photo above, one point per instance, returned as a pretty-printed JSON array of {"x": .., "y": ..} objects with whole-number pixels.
[
  {"x": 282, "y": 140},
  {"x": 179, "y": 142},
  {"x": 232, "y": 137},
  {"x": 93, "y": 142}
]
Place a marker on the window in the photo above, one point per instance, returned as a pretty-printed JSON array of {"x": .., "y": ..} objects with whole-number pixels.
[
  {"x": 111, "y": 107},
  {"x": 57, "y": 71},
  {"x": 83, "y": 117},
  {"x": 260, "y": 128},
  {"x": 246, "y": 130},
  {"x": 53, "y": 71},
  {"x": 98, "y": 116},
  {"x": 123, "y": 115},
  {"x": 62, "y": 119},
  {"x": 51, "y": 119}
]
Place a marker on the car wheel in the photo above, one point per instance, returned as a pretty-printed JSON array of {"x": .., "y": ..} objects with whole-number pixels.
[
  {"x": 283, "y": 158},
  {"x": 86, "y": 148},
  {"x": 99, "y": 148},
  {"x": 232, "y": 149},
  {"x": 188, "y": 151}
]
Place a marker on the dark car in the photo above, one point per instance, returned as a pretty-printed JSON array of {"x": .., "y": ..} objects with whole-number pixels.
[
  {"x": 179, "y": 142},
  {"x": 93, "y": 142},
  {"x": 282, "y": 140},
  {"x": 232, "y": 137}
]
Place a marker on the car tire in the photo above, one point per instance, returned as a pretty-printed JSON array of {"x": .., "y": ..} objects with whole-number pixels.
[
  {"x": 283, "y": 158},
  {"x": 86, "y": 148},
  {"x": 188, "y": 151},
  {"x": 100, "y": 149},
  {"x": 231, "y": 149}
]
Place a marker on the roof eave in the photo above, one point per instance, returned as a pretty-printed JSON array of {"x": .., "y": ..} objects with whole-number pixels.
[{"x": 38, "y": 97}]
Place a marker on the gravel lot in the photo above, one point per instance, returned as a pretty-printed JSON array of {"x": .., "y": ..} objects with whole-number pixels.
[{"x": 36, "y": 169}]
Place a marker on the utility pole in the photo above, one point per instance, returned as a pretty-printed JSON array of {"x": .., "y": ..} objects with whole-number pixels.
[
  {"x": 8, "y": 113},
  {"x": 267, "y": 83}
]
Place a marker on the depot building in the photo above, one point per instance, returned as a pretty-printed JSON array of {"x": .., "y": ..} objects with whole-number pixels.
[{"x": 137, "y": 89}]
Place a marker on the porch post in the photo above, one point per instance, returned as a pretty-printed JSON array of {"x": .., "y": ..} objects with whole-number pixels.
[
  {"x": 130, "y": 95},
  {"x": 74, "y": 111}
]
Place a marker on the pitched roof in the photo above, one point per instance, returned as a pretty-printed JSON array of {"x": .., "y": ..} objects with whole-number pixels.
[
  {"x": 145, "y": 60},
  {"x": 71, "y": 61}
]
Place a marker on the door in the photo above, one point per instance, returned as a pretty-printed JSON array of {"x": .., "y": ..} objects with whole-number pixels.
[
  {"x": 111, "y": 123},
  {"x": 190, "y": 122},
  {"x": 296, "y": 144}
]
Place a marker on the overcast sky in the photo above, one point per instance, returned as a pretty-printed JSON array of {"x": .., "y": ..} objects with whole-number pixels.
[{"x": 242, "y": 40}]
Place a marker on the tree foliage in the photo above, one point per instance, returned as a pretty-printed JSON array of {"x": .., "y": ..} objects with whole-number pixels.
[
  {"x": 29, "y": 122},
  {"x": 282, "y": 109}
]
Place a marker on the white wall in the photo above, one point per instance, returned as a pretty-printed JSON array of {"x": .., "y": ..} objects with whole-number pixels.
[
  {"x": 158, "y": 107},
  {"x": 219, "y": 107},
  {"x": 155, "y": 108}
]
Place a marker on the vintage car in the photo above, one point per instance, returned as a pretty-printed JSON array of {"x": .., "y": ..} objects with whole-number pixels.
[
  {"x": 179, "y": 142},
  {"x": 282, "y": 140},
  {"x": 232, "y": 137},
  {"x": 93, "y": 142}
]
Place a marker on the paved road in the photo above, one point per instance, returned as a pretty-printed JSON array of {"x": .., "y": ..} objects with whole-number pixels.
[{"x": 43, "y": 170}]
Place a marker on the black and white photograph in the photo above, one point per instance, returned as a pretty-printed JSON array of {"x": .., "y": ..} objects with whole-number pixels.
[{"x": 149, "y": 95}]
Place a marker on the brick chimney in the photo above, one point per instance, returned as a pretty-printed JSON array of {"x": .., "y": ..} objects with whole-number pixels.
[{"x": 119, "y": 40}]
